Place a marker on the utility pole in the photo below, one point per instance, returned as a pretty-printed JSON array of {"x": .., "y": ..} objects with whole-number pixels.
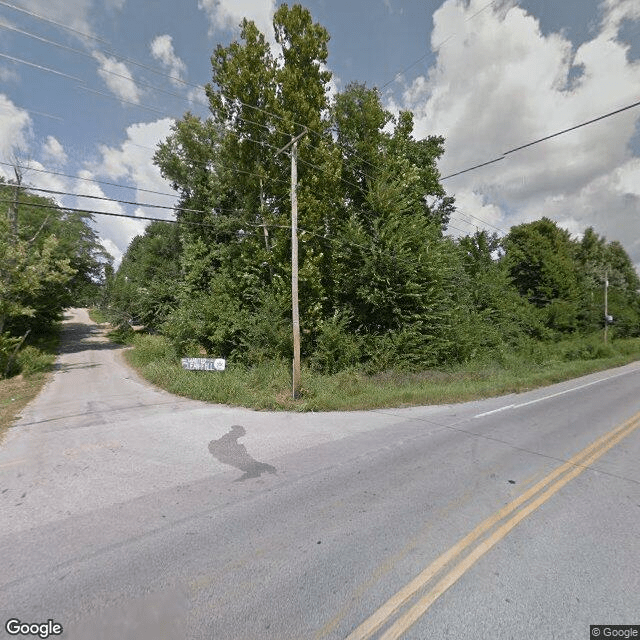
[
  {"x": 606, "y": 310},
  {"x": 295, "y": 315},
  {"x": 264, "y": 221},
  {"x": 12, "y": 212}
]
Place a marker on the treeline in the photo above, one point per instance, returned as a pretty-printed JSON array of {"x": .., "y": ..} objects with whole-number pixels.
[
  {"x": 381, "y": 286},
  {"x": 50, "y": 259}
]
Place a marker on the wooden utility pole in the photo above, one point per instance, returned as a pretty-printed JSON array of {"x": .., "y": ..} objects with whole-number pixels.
[
  {"x": 12, "y": 211},
  {"x": 264, "y": 221},
  {"x": 295, "y": 316},
  {"x": 606, "y": 309}
]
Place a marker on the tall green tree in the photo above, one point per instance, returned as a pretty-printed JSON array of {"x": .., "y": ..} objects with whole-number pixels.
[
  {"x": 54, "y": 260},
  {"x": 541, "y": 259}
]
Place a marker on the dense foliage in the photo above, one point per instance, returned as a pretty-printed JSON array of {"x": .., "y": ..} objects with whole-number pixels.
[
  {"x": 381, "y": 286},
  {"x": 49, "y": 259}
]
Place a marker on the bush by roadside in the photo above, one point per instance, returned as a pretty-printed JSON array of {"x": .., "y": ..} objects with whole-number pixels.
[
  {"x": 30, "y": 372},
  {"x": 267, "y": 385}
]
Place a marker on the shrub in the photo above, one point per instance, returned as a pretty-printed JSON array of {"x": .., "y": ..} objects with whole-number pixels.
[
  {"x": 336, "y": 347},
  {"x": 588, "y": 349},
  {"x": 33, "y": 360}
]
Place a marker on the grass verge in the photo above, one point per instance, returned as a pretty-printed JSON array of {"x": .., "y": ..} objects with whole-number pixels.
[
  {"x": 36, "y": 362},
  {"x": 267, "y": 386},
  {"x": 15, "y": 394},
  {"x": 98, "y": 316}
]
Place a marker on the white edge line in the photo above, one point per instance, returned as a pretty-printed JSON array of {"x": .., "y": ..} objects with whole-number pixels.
[
  {"x": 554, "y": 395},
  {"x": 488, "y": 413}
]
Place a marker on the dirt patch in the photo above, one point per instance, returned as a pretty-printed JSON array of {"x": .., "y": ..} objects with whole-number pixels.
[{"x": 15, "y": 394}]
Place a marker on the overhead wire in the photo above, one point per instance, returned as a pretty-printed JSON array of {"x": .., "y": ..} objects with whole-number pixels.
[
  {"x": 147, "y": 67},
  {"x": 202, "y": 87},
  {"x": 461, "y": 212},
  {"x": 145, "y": 205},
  {"x": 124, "y": 186},
  {"x": 41, "y": 67},
  {"x": 545, "y": 138},
  {"x": 51, "y": 21},
  {"x": 37, "y": 113},
  {"x": 435, "y": 49},
  {"x": 92, "y": 212},
  {"x": 76, "y": 177}
]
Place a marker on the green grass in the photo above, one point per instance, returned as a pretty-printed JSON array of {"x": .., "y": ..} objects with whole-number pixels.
[
  {"x": 267, "y": 386},
  {"x": 35, "y": 362},
  {"x": 98, "y": 315}
]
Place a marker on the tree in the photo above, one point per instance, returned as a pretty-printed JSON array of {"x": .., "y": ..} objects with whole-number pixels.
[
  {"x": 504, "y": 318},
  {"x": 144, "y": 290},
  {"x": 49, "y": 259},
  {"x": 542, "y": 262},
  {"x": 369, "y": 202}
]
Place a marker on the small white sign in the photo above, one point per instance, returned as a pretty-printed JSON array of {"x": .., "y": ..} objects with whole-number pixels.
[{"x": 204, "y": 364}]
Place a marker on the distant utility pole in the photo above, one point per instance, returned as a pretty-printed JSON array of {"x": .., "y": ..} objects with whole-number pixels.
[
  {"x": 295, "y": 316},
  {"x": 12, "y": 212},
  {"x": 606, "y": 309}
]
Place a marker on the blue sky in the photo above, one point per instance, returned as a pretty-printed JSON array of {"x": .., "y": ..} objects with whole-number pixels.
[{"x": 509, "y": 71}]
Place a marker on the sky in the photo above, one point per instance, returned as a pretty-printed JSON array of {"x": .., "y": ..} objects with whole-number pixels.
[{"x": 80, "y": 102}]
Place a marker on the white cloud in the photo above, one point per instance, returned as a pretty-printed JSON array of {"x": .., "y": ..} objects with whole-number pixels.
[
  {"x": 615, "y": 12},
  {"x": 53, "y": 151},
  {"x": 70, "y": 13},
  {"x": 112, "y": 231},
  {"x": 15, "y": 130},
  {"x": 500, "y": 83},
  {"x": 474, "y": 213},
  {"x": 8, "y": 75},
  {"x": 162, "y": 50},
  {"x": 132, "y": 163},
  {"x": 227, "y": 14},
  {"x": 198, "y": 96},
  {"x": 118, "y": 78}
]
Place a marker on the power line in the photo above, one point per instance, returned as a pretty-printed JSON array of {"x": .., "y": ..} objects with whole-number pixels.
[
  {"x": 38, "y": 113},
  {"x": 539, "y": 140},
  {"x": 146, "y": 205},
  {"x": 93, "y": 58},
  {"x": 583, "y": 124},
  {"x": 41, "y": 67},
  {"x": 130, "y": 102},
  {"x": 93, "y": 212},
  {"x": 465, "y": 213},
  {"x": 92, "y": 197},
  {"x": 163, "y": 113},
  {"x": 477, "y": 166},
  {"x": 436, "y": 49},
  {"x": 83, "y": 53},
  {"x": 142, "y": 83},
  {"x": 124, "y": 186},
  {"x": 50, "y": 21},
  {"x": 34, "y": 36},
  {"x": 68, "y": 175}
]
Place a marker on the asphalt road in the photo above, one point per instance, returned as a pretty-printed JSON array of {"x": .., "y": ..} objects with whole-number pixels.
[{"x": 129, "y": 513}]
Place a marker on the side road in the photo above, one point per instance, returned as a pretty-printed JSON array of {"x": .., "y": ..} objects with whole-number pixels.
[
  {"x": 126, "y": 512},
  {"x": 99, "y": 435}
]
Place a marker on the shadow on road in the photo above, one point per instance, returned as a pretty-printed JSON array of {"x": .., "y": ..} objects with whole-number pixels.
[
  {"x": 77, "y": 336},
  {"x": 229, "y": 451}
]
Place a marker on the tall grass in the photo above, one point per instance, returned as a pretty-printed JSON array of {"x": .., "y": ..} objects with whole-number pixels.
[{"x": 268, "y": 385}]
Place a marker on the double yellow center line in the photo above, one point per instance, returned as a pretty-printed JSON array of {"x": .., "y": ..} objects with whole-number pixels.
[{"x": 535, "y": 497}]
